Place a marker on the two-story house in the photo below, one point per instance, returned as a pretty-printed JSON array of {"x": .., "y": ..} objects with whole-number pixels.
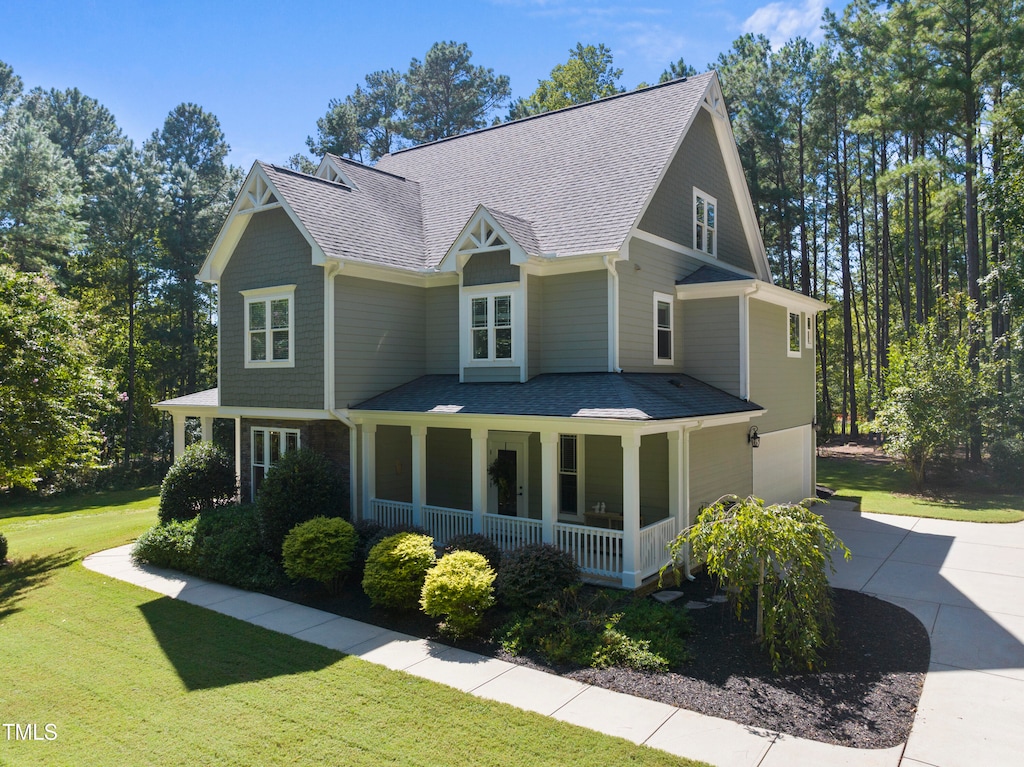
[{"x": 559, "y": 329}]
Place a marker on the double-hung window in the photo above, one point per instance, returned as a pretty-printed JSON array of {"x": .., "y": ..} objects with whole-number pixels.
[
  {"x": 268, "y": 445},
  {"x": 705, "y": 223},
  {"x": 270, "y": 327},
  {"x": 569, "y": 499},
  {"x": 663, "y": 346},
  {"x": 491, "y": 327}
]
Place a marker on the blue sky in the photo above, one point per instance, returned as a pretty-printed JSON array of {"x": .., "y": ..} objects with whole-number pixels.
[{"x": 268, "y": 69}]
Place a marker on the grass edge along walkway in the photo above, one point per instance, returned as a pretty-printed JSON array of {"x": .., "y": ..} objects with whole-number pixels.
[
  {"x": 885, "y": 488},
  {"x": 127, "y": 676}
]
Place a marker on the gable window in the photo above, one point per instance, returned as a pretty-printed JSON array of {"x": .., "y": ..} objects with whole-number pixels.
[
  {"x": 269, "y": 327},
  {"x": 663, "y": 346},
  {"x": 268, "y": 445},
  {"x": 794, "y": 334},
  {"x": 491, "y": 327},
  {"x": 705, "y": 222},
  {"x": 569, "y": 500}
]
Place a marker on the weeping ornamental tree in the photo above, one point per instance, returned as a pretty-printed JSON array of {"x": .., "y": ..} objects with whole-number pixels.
[{"x": 774, "y": 560}]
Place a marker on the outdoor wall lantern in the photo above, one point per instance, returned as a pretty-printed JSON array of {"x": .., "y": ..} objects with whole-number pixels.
[{"x": 753, "y": 437}]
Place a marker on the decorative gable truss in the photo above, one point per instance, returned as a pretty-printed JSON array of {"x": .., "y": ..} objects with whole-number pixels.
[
  {"x": 257, "y": 195},
  {"x": 489, "y": 231},
  {"x": 331, "y": 170}
]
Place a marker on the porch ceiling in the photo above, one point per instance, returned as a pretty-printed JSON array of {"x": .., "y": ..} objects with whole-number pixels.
[{"x": 612, "y": 396}]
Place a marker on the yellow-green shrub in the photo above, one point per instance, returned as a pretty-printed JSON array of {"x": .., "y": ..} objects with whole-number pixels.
[
  {"x": 396, "y": 569},
  {"x": 320, "y": 549},
  {"x": 459, "y": 589}
]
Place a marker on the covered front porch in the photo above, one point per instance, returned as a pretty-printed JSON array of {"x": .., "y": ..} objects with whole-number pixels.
[{"x": 611, "y": 494}]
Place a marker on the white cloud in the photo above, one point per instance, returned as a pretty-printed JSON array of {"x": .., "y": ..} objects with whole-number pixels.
[{"x": 781, "y": 21}]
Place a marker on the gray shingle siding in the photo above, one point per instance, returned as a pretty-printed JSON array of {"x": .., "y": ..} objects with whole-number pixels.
[
  {"x": 379, "y": 338},
  {"x": 272, "y": 252},
  {"x": 489, "y": 268},
  {"x": 698, "y": 163}
]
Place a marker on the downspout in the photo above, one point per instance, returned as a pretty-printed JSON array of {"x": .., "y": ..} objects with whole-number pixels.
[{"x": 610, "y": 260}]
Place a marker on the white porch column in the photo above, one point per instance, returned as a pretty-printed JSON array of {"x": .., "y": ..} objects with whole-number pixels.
[
  {"x": 419, "y": 471},
  {"x": 238, "y": 454},
  {"x": 179, "y": 434},
  {"x": 206, "y": 426},
  {"x": 549, "y": 484},
  {"x": 369, "y": 466},
  {"x": 479, "y": 478},
  {"x": 675, "y": 478},
  {"x": 631, "y": 511}
]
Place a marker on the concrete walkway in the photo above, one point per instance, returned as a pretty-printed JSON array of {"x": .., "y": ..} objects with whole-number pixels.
[{"x": 964, "y": 581}]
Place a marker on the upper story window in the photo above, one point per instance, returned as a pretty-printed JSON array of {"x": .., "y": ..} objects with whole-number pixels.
[
  {"x": 270, "y": 327},
  {"x": 794, "y": 334},
  {"x": 491, "y": 327},
  {"x": 663, "y": 346},
  {"x": 705, "y": 223}
]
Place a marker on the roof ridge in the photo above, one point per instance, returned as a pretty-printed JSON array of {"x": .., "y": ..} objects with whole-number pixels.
[
  {"x": 569, "y": 108},
  {"x": 364, "y": 166}
]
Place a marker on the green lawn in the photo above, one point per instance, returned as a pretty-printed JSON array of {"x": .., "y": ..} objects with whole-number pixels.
[
  {"x": 126, "y": 676},
  {"x": 887, "y": 489}
]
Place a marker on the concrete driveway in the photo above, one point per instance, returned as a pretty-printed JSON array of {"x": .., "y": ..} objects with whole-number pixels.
[{"x": 965, "y": 582}]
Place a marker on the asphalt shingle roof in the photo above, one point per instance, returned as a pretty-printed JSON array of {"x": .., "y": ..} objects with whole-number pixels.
[
  {"x": 616, "y": 396},
  {"x": 708, "y": 274},
  {"x": 580, "y": 175},
  {"x": 208, "y": 398},
  {"x": 378, "y": 221}
]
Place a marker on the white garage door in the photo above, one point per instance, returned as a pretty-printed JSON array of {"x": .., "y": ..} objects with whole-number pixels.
[{"x": 782, "y": 466}]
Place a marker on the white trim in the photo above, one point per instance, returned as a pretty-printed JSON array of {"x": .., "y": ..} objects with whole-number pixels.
[
  {"x": 517, "y": 306},
  {"x": 808, "y": 331},
  {"x": 664, "y": 298},
  {"x": 580, "y": 457},
  {"x": 329, "y": 170},
  {"x": 763, "y": 291},
  {"x": 790, "y": 351},
  {"x": 710, "y": 212},
  {"x": 474, "y": 238},
  {"x": 267, "y": 458},
  {"x": 267, "y": 296},
  {"x": 744, "y": 302},
  {"x": 498, "y": 440}
]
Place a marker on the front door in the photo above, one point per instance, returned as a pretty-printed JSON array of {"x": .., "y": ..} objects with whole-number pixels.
[{"x": 506, "y": 472}]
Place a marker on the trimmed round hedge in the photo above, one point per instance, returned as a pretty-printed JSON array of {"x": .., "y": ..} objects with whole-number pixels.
[
  {"x": 3, "y": 549},
  {"x": 320, "y": 549},
  {"x": 396, "y": 568},
  {"x": 533, "y": 574},
  {"x": 201, "y": 479},
  {"x": 458, "y": 589}
]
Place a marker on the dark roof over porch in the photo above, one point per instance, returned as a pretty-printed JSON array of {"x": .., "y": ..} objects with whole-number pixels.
[{"x": 613, "y": 396}]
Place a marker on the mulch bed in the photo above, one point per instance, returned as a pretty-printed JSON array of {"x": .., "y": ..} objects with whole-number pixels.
[{"x": 865, "y": 697}]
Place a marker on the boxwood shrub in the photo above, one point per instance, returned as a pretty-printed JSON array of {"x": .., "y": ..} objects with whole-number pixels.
[
  {"x": 231, "y": 551},
  {"x": 458, "y": 589},
  {"x": 396, "y": 568},
  {"x": 320, "y": 549},
  {"x": 3, "y": 549},
  {"x": 202, "y": 478},
  {"x": 170, "y": 544}
]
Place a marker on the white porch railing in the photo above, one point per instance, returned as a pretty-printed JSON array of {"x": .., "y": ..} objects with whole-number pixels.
[
  {"x": 511, "y": 532},
  {"x": 444, "y": 524},
  {"x": 597, "y": 551},
  {"x": 391, "y": 513},
  {"x": 654, "y": 541}
]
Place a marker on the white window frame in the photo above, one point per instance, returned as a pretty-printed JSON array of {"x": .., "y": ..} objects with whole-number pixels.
[
  {"x": 709, "y": 203},
  {"x": 266, "y": 296},
  {"x": 577, "y": 472},
  {"x": 792, "y": 327},
  {"x": 514, "y": 292},
  {"x": 266, "y": 458},
  {"x": 664, "y": 298},
  {"x": 808, "y": 331}
]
